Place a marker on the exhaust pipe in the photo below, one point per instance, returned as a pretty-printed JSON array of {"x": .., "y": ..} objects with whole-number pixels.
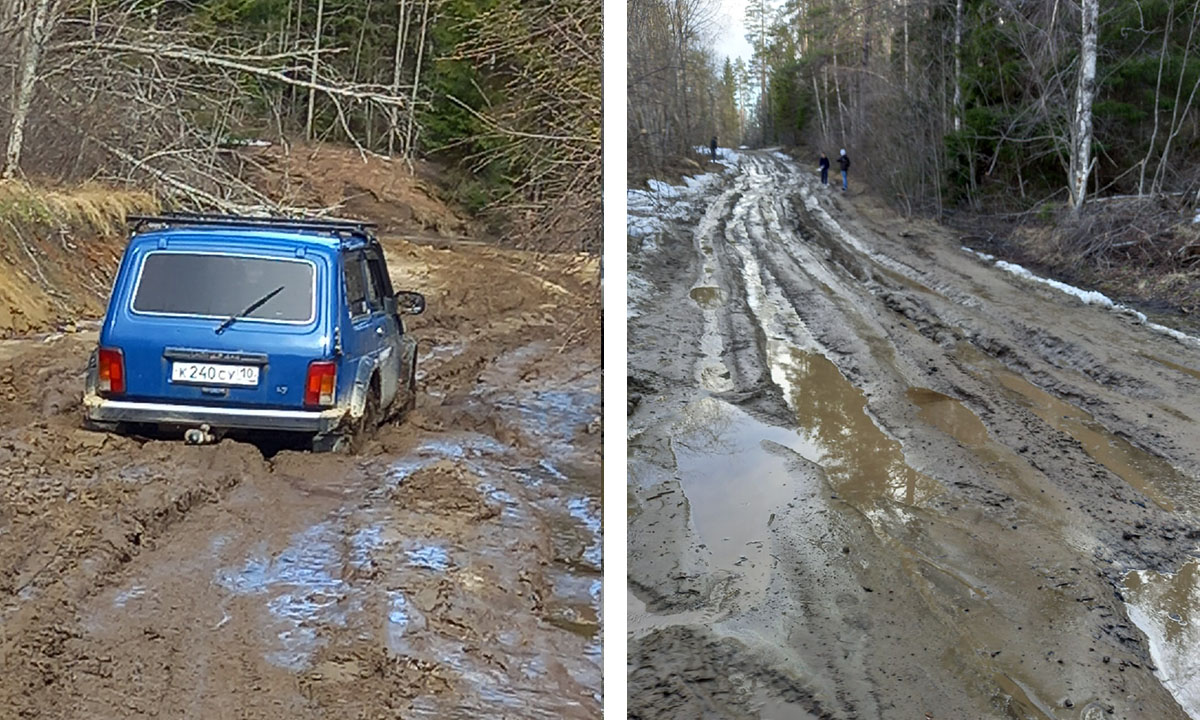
[{"x": 199, "y": 436}]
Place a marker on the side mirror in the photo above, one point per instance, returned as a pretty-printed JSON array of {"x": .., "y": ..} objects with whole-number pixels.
[{"x": 410, "y": 303}]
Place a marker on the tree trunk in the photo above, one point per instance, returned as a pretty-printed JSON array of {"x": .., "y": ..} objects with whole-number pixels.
[
  {"x": 1160, "y": 175},
  {"x": 393, "y": 111},
  {"x": 35, "y": 41},
  {"x": 412, "y": 109},
  {"x": 958, "y": 99},
  {"x": 820, "y": 115},
  {"x": 1081, "y": 131},
  {"x": 1157, "y": 89},
  {"x": 906, "y": 47},
  {"x": 312, "y": 76}
]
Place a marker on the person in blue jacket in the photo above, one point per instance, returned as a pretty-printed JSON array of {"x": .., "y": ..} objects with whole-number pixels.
[{"x": 823, "y": 166}]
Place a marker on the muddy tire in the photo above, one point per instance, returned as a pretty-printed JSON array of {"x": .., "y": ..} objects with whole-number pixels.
[
  {"x": 364, "y": 427},
  {"x": 354, "y": 438},
  {"x": 410, "y": 397}
]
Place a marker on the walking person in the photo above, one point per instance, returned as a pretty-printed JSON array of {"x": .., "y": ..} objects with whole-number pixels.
[
  {"x": 823, "y": 166},
  {"x": 844, "y": 164},
  {"x": 713, "y": 146}
]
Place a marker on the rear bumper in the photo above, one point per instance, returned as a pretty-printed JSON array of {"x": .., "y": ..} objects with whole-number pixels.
[{"x": 98, "y": 409}]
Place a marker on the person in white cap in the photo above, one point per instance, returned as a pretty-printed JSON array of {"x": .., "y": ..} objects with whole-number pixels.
[{"x": 844, "y": 164}]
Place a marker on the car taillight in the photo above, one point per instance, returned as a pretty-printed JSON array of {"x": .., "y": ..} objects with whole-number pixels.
[
  {"x": 318, "y": 387},
  {"x": 111, "y": 371}
]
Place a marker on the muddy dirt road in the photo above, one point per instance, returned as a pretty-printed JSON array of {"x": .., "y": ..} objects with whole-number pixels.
[
  {"x": 451, "y": 570},
  {"x": 872, "y": 475}
]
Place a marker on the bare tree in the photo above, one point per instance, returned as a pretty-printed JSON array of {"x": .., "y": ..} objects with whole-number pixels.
[
  {"x": 1081, "y": 128},
  {"x": 40, "y": 23}
]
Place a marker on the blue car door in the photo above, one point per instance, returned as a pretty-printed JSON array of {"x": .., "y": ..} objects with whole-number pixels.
[
  {"x": 362, "y": 339},
  {"x": 383, "y": 325}
]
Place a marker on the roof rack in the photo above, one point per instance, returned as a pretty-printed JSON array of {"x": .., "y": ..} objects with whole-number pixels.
[{"x": 354, "y": 227}]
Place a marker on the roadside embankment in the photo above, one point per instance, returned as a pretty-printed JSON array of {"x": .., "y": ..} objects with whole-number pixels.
[{"x": 59, "y": 248}]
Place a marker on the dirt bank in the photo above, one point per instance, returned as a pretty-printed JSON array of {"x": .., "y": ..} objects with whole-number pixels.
[
  {"x": 59, "y": 250},
  {"x": 874, "y": 476},
  {"x": 450, "y": 570}
]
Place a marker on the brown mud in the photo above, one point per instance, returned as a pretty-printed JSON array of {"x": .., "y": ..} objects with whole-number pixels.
[
  {"x": 450, "y": 570},
  {"x": 871, "y": 476}
]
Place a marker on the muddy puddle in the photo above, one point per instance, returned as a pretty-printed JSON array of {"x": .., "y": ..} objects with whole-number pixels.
[
  {"x": 1166, "y": 608},
  {"x": 737, "y": 470},
  {"x": 707, "y": 297},
  {"x": 1150, "y": 475},
  {"x": 734, "y": 470},
  {"x": 950, "y": 416},
  {"x": 464, "y": 555},
  {"x": 863, "y": 464}
]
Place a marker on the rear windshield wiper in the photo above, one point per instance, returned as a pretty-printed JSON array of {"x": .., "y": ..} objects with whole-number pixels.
[{"x": 251, "y": 308}]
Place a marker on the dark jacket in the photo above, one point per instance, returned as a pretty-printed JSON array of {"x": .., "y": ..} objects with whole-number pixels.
[
  {"x": 823, "y": 163},
  {"x": 844, "y": 162}
]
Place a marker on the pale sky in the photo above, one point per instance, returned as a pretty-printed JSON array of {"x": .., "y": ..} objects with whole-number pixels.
[{"x": 730, "y": 34}]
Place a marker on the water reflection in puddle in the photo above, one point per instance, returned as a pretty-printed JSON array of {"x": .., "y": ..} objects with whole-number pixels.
[
  {"x": 861, "y": 461},
  {"x": 125, "y": 596},
  {"x": 307, "y": 579},
  {"x": 733, "y": 478},
  {"x": 403, "y": 619},
  {"x": 950, "y": 416},
  {"x": 587, "y": 511},
  {"x": 1167, "y": 609},
  {"x": 429, "y": 557},
  {"x": 735, "y": 472}
]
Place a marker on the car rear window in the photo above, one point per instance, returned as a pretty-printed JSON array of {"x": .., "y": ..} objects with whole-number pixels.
[{"x": 223, "y": 285}]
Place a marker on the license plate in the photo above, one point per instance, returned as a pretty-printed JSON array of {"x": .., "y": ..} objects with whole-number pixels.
[{"x": 214, "y": 374}]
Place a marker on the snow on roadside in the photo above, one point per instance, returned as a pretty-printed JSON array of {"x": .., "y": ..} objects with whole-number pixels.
[
  {"x": 649, "y": 209},
  {"x": 1088, "y": 297},
  {"x": 728, "y": 157}
]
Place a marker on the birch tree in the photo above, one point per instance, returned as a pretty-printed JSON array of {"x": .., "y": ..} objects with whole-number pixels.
[
  {"x": 39, "y": 25},
  {"x": 1085, "y": 93}
]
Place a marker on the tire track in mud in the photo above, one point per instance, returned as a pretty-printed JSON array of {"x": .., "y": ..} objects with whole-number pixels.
[
  {"x": 954, "y": 477},
  {"x": 451, "y": 570}
]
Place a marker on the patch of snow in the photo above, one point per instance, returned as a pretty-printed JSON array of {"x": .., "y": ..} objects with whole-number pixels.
[
  {"x": 647, "y": 210},
  {"x": 781, "y": 156},
  {"x": 980, "y": 255},
  {"x": 728, "y": 157},
  {"x": 641, "y": 226},
  {"x": 638, "y": 291},
  {"x": 1089, "y": 297},
  {"x": 1159, "y": 606}
]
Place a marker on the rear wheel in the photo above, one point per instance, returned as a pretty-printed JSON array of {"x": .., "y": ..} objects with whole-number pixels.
[
  {"x": 410, "y": 400},
  {"x": 364, "y": 427},
  {"x": 354, "y": 437}
]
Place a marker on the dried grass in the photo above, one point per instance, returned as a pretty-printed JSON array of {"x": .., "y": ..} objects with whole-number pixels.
[{"x": 90, "y": 207}]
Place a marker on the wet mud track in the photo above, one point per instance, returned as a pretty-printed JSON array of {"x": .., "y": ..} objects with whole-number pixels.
[
  {"x": 873, "y": 476},
  {"x": 450, "y": 570}
]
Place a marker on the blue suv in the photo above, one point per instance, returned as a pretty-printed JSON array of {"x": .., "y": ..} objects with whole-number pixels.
[{"x": 223, "y": 323}]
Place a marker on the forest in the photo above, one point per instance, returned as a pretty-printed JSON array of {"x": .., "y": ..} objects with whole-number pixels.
[
  {"x": 999, "y": 105},
  {"x": 502, "y": 94}
]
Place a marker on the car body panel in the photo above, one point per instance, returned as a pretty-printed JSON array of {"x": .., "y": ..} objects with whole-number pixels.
[{"x": 366, "y": 342}]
